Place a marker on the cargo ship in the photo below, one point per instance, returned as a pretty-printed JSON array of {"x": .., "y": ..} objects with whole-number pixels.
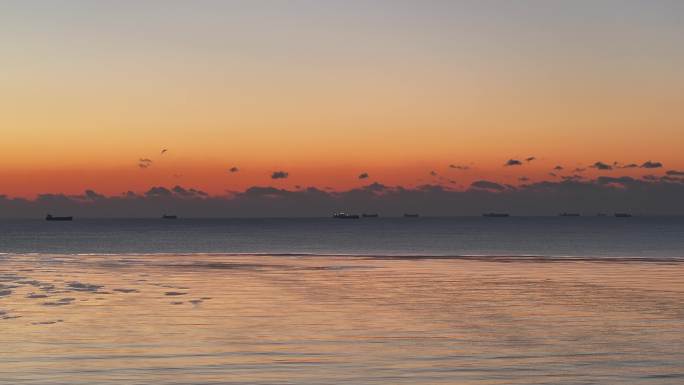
[
  {"x": 496, "y": 215},
  {"x": 345, "y": 216},
  {"x": 50, "y": 217}
]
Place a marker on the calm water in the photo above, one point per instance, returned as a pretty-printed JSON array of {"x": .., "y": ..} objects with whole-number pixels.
[
  {"x": 550, "y": 236},
  {"x": 185, "y": 315}
]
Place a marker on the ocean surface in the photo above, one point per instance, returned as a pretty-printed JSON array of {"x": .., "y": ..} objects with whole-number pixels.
[
  {"x": 514, "y": 236},
  {"x": 485, "y": 301}
]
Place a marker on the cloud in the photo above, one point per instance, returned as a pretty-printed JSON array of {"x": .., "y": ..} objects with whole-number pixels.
[
  {"x": 177, "y": 191},
  {"x": 513, "y": 162},
  {"x": 155, "y": 192},
  {"x": 487, "y": 185},
  {"x": 459, "y": 167},
  {"x": 363, "y": 175},
  {"x": 279, "y": 175},
  {"x": 144, "y": 163},
  {"x": 259, "y": 191},
  {"x": 601, "y": 166},
  {"x": 376, "y": 187},
  {"x": 188, "y": 193},
  {"x": 529, "y": 159},
  {"x": 630, "y": 165},
  {"x": 524, "y": 179},
  {"x": 572, "y": 177},
  {"x": 617, "y": 182},
  {"x": 650, "y": 164},
  {"x": 580, "y": 169},
  {"x": 671, "y": 179},
  {"x": 233, "y": 169},
  {"x": 433, "y": 173},
  {"x": 92, "y": 195},
  {"x": 558, "y": 168},
  {"x": 653, "y": 195},
  {"x": 674, "y": 173}
]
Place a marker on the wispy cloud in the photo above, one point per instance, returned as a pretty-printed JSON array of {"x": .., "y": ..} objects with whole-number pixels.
[
  {"x": 459, "y": 167},
  {"x": 512, "y": 162},
  {"x": 629, "y": 165},
  {"x": 572, "y": 177},
  {"x": 487, "y": 185},
  {"x": 144, "y": 163}
]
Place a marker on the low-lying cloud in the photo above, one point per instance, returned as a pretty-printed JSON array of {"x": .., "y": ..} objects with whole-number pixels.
[
  {"x": 657, "y": 195},
  {"x": 487, "y": 185}
]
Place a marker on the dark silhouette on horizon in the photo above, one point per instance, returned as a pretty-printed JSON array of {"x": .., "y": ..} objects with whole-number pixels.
[
  {"x": 496, "y": 215},
  {"x": 50, "y": 217},
  {"x": 342, "y": 215}
]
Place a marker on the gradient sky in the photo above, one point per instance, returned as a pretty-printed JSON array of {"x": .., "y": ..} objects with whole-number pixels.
[{"x": 326, "y": 90}]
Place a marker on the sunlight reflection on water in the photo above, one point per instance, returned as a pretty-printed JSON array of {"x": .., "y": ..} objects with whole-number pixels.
[{"x": 211, "y": 319}]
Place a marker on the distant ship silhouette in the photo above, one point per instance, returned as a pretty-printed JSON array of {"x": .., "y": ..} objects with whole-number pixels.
[
  {"x": 345, "y": 216},
  {"x": 411, "y": 215},
  {"x": 369, "y": 215},
  {"x": 49, "y": 217},
  {"x": 623, "y": 215},
  {"x": 496, "y": 215},
  {"x": 165, "y": 216}
]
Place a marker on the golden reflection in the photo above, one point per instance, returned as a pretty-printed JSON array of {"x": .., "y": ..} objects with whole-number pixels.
[{"x": 311, "y": 320}]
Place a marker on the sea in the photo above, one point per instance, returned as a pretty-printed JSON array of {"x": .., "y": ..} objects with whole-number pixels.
[
  {"x": 469, "y": 300},
  {"x": 641, "y": 237}
]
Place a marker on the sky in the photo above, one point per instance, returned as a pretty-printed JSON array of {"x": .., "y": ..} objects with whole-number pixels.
[{"x": 336, "y": 95}]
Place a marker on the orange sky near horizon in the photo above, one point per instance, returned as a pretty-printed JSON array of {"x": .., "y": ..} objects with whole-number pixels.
[{"x": 328, "y": 91}]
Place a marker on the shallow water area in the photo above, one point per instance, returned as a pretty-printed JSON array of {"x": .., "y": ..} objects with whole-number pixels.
[{"x": 222, "y": 319}]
